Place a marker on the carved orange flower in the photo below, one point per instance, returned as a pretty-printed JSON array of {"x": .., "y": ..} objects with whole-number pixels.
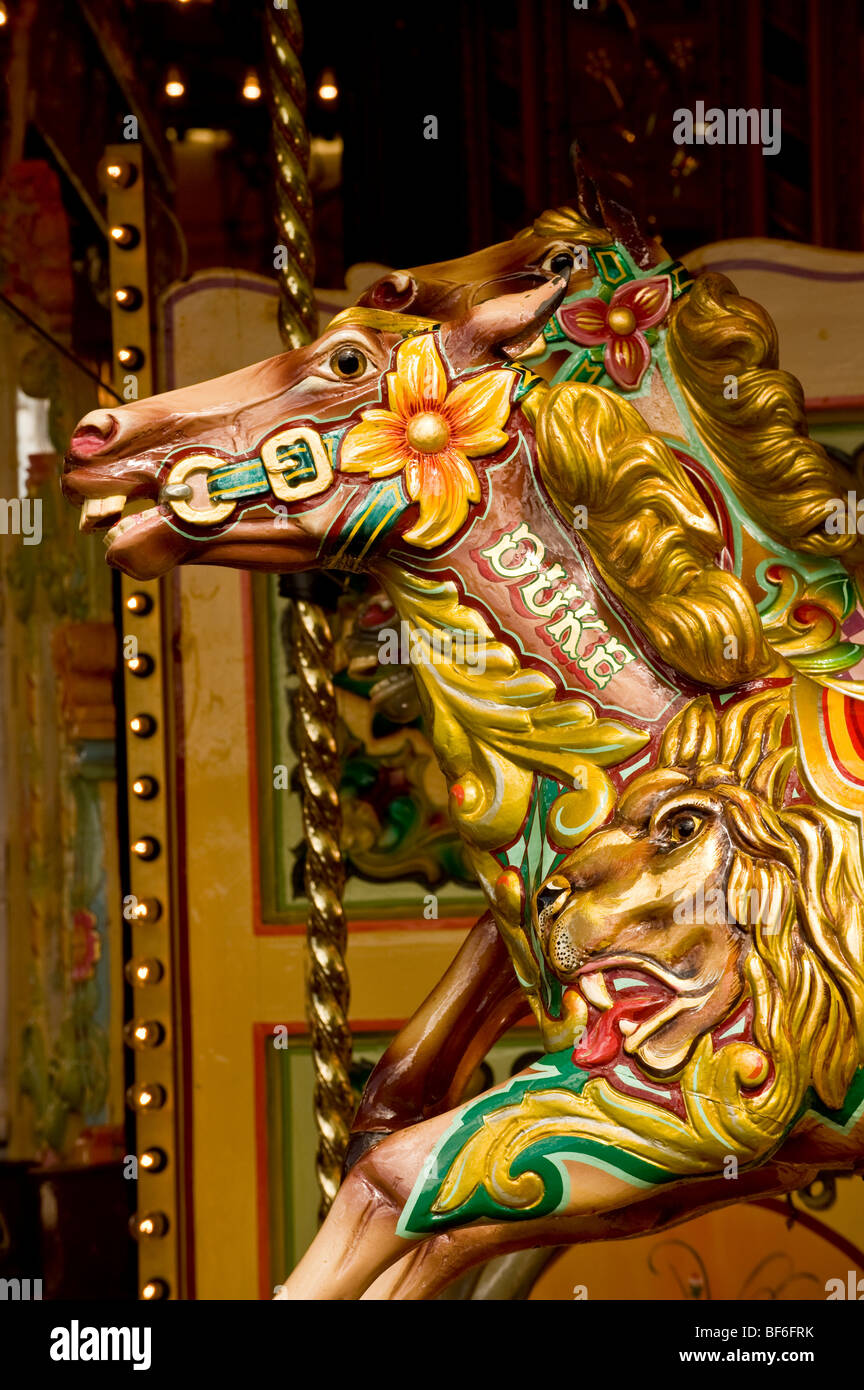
[{"x": 431, "y": 433}]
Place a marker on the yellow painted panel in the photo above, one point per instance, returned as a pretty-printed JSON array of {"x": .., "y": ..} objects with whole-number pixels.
[{"x": 238, "y": 979}]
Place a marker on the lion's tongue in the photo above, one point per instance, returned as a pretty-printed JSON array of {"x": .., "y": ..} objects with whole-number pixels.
[{"x": 602, "y": 1039}]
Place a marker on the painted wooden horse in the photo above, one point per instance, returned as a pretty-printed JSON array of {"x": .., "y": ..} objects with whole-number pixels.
[{"x": 604, "y": 485}]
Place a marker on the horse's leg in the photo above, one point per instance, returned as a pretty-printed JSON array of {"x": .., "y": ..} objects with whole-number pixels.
[
  {"x": 359, "y": 1239},
  {"x": 425, "y": 1069},
  {"x": 440, "y": 1260}
]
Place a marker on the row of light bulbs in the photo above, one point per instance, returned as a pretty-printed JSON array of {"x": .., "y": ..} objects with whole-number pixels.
[
  {"x": 142, "y": 1034},
  {"x": 175, "y": 86},
  {"x": 126, "y": 238}
]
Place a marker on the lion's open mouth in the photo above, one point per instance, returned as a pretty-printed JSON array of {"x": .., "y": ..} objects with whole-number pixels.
[{"x": 627, "y": 1003}]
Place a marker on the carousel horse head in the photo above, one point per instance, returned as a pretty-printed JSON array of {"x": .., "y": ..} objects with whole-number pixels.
[
  {"x": 339, "y": 440},
  {"x": 554, "y": 244}
]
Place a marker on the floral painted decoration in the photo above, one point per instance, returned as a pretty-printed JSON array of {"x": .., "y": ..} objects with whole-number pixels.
[
  {"x": 620, "y": 325},
  {"x": 86, "y": 945},
  {"x": 430, "y": 433}
]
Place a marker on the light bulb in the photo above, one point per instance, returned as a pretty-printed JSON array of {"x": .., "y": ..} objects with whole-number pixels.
[
  {"x": 145, "y": 787},
  {"x": 143, "y": 1032},
  {"x": 153, "y": 1160},
  {"x": 127, "y": 297},
  {"x": 149, "y": 1226},
  {"x": 148, "y": 910},
  {"x": 142, "y": 725},
  {"x": 174, "y": 84},
  {"x": 131, "y": 357},
  {"x": 327, "y": 88},
  {"x": 124, "y": 236},
  {"x": 154, "y": 1289},
  {"x": 144, "y": 972},
  {"x": 149, "y": 1096},
  {"x": 121, "y": 173},
  {"x": 140, "y": 665},
  {"x": 251, "y": 86},
  {"x": 146, "y": 847},
  {"x": 139, "y": 603}
]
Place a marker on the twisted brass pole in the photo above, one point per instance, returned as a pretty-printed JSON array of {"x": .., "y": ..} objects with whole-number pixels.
[
  {"x": 327, "y": 987},
  {"x": 287, "y": 93}
]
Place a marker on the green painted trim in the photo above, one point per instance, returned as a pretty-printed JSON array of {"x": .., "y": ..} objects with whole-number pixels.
[
  {"x": 377, "y": 513},
  {"x": 545, "y": 1158}
]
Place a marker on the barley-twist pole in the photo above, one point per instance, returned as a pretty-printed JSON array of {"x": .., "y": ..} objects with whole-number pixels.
[
  {"x": 327, "y": 986},
  {"x": 287, "y": 94}
]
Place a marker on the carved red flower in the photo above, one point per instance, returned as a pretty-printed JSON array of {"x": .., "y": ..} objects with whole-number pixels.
[{"x": 620, "y": 325}]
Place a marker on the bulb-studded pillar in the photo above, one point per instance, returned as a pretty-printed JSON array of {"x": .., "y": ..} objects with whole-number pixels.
[{"x": 327, "y": 986}]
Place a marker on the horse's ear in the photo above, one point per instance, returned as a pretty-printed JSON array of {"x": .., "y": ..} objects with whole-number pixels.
[
  {"x": 396, "y": 292},
  {"x": 502, "y": 327},
  {"x": 588, "y": 200}
]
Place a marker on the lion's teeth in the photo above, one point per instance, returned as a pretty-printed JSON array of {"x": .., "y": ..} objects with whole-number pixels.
[
  {"x": 595, "y": 991},
  {"x": 627, "y": 1026}
]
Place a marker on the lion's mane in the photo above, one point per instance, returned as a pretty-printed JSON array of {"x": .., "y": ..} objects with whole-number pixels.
[{"x": 796, "y": 888}]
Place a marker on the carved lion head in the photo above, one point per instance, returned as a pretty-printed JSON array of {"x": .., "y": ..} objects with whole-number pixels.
[{"x": 711, "y": 888}]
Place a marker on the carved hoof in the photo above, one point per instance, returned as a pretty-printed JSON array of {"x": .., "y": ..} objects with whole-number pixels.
[{"x": 359, "y": 1144}]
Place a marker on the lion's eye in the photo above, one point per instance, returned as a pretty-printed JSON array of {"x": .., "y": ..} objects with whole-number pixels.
[
  {"x": 551, "y": 896},
  {"x": 684, "y": 828},
  {"x": 348, "y": 363}
]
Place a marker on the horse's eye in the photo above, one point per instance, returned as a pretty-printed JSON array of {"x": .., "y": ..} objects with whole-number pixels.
[
  {"x": 561, "y": 263},
  {"x": 684, "y": 828},
  {"x": 348, "y": 363}
]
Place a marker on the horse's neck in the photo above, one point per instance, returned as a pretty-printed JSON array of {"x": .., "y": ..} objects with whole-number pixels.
[{"x": 527, "y": 576}]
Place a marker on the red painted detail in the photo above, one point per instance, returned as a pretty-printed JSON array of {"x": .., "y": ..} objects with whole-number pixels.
[
  {"x": 602, "y": 1040},
  {"x": 808, "y": 613}
]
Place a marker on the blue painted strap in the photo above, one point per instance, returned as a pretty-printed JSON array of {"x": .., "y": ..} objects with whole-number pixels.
[
  {"x": 237, "y": 480},
  {"x": 378, "y": 511},
  {"x": 234, "y": 481}
]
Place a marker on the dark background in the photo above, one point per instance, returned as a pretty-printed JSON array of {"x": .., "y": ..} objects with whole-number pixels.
[{"x": 516, "y": 87}]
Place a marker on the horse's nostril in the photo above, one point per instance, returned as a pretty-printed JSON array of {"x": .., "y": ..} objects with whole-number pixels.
[{"x": 95, "y": 431}]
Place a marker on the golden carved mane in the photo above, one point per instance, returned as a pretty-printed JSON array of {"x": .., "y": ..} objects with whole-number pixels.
[
  {"x": 758, "y": 435},
  {"x": 649, "y": 533}
]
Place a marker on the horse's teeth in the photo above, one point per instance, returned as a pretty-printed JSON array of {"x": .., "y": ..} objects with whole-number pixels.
[
  {"x": 121, "y": 526},
  {"x": 594, "y": 989},
  {"x": 96, "y": 508}
]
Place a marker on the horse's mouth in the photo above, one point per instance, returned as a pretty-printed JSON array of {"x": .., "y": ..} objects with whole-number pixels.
[
  {"x": 629, "y": 1000},
  {"x": 145, "y": 538},
  {"x": 137, "y": 525}
]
